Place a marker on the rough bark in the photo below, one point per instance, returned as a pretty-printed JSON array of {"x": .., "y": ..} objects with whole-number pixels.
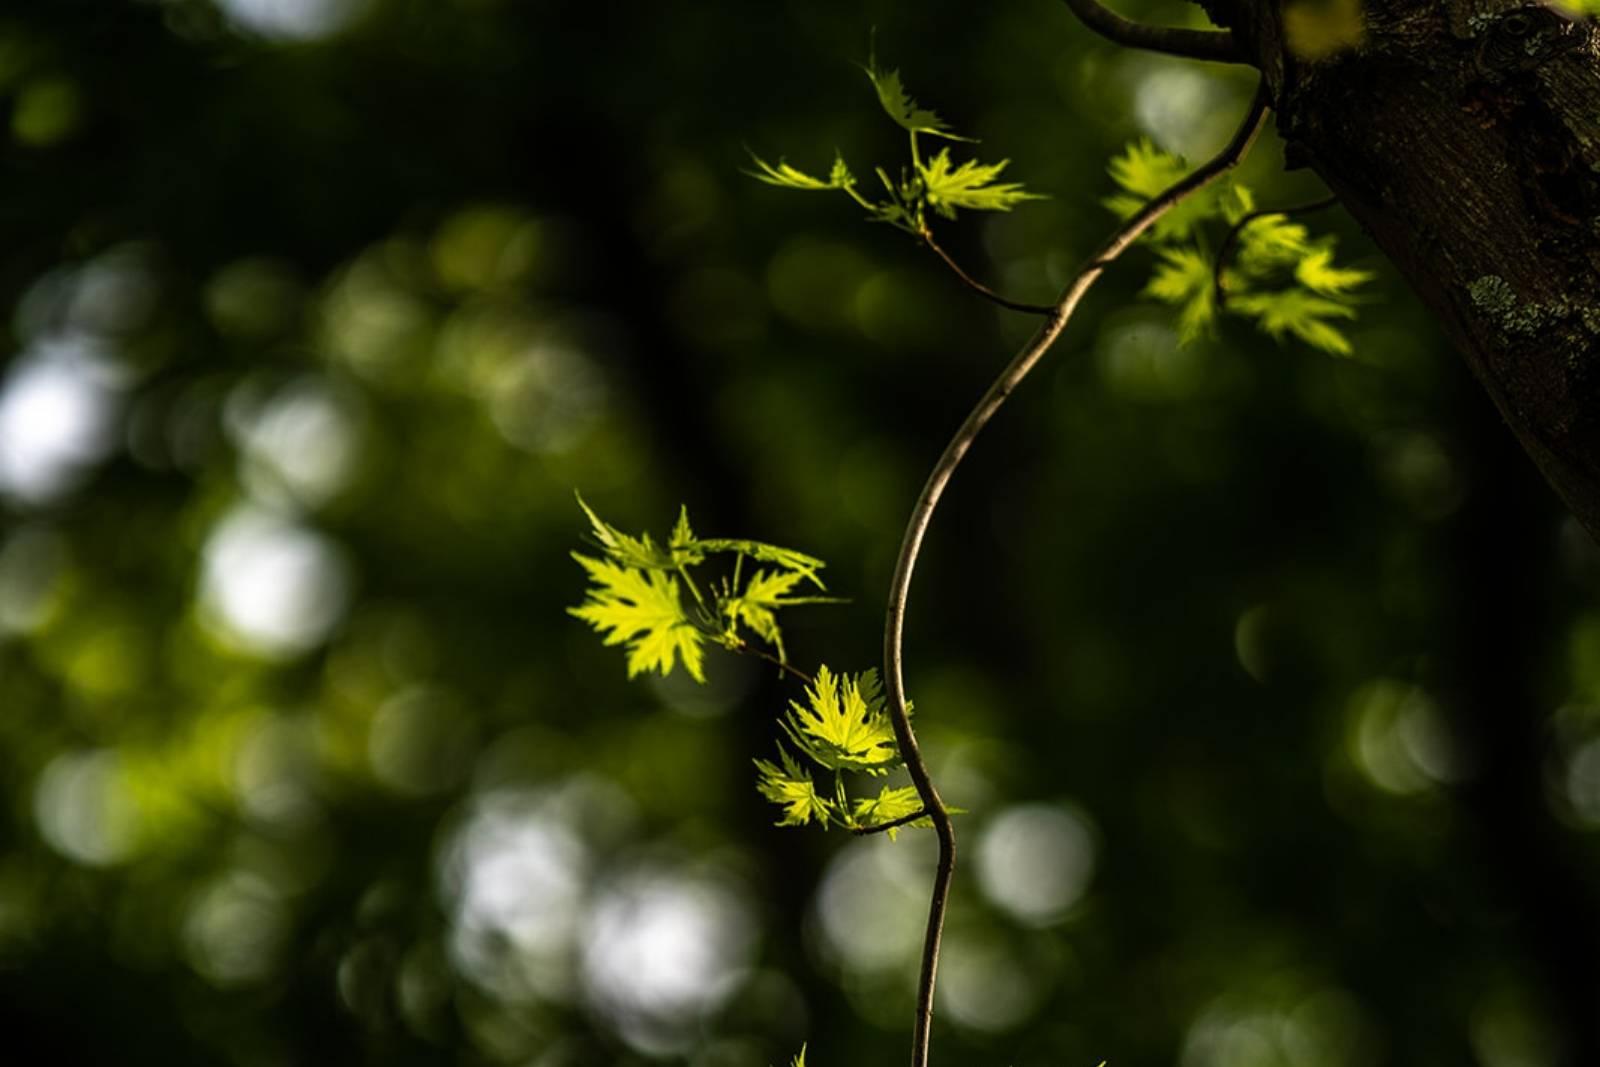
[{"x": 1465, "y": 136}]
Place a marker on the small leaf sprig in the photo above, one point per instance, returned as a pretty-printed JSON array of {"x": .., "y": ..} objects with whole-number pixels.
[
  {"x": 1268, "y": 268},
  {"x": 635, "y": 598},
  {"x": 930, "y": 186}
]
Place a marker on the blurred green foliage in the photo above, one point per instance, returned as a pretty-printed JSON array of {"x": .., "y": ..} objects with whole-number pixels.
[{"x": 1270, "y": 681}]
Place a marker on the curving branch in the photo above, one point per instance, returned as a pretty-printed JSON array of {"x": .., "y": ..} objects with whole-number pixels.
[
  {"x": 1231, "y": 238},
  {"x": 978, "y": 287},
  {"x": 1216, "y": 46},
  {"x": 922, "y": 516}
]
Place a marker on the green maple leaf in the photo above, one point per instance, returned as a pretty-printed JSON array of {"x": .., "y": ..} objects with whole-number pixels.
[
  {"x": 971, "y": 186},
  {"x": 757, "y": 606},
  {"x": 1269, "y": 241},
  {"x": 900, "y": 107},
  {"x": 791, "y": 788},
  {"x": 843, "y": 725},
  {"x": 1298, "y": 312},
  {"x": 1317, "y": 273},
  {"x": 787, "y": 558},
  {"x": 1184, "y": 277},
  {"x": 640, "y": 608},
  {"x": 1145, "y": 172},
  {"x": 890, "y": 804},
  {"x": 640, "y": 551},
  {"x": 787, "y": 177}
]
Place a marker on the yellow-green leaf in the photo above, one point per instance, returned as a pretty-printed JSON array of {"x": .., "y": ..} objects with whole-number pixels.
[
  {"x": 640, "y": 608},
  {"x": 788, "y": 177},
  {"x": 1301, "y": 313},
  {"x": 791, "y": 788},
  {"x": 843, "y": 725},
  {"x": 887, "y": 806},
  {"x": 1144, "y": 172},
  {"x": 639, "y": 551},
  {"x": 899, "y": 106},
  {"x": 1185, "y": 277},
  {"x": 970, "y": 186},
  {"x": 1317, "y": 273}
]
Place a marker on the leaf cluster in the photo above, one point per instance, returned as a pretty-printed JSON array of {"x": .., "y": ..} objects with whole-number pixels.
[
  {"x": 937, "y": 185},
  {"x": 636, "y": 598},
  {"x": 1278, "y": 275},
  {"x": 841, "y": 727}
]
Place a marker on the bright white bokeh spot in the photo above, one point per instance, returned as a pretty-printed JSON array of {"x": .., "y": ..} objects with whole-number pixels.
[
  {"x": 84, "y": 808},
  {"x": 1035, "y": 861},
  {"x": 983, "y": 986},
  {"x": 661, "y": 949},
  {"x": 270, "y": 585},
  {"x": 56, "y": 414},
  {"x": 1180, "y": 106},
  {"x": 872, "y": 902},
  {"x": 301, "y": 445},
  {"x": 235, "y": 930},
  {"x": 291, "y": 20},
  {"x": 516, "y": 876},
  {"x": 1285, "y": 1027},
  {"x": 543, "y": 399},
  {"x": 112, "y": 294}
]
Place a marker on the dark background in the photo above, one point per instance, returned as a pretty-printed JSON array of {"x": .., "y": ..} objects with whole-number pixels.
[{"x": 1271, "y": 681}]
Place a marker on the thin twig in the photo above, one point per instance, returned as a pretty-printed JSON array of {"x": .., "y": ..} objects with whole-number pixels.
[
  {"x": 1217, "y": 46},
  {"x": 1231, "y": 238},
  {"x": 748, "y": 649},
  {"x": 978, "y": 287},
  {"x": 922, "y": 515},
  {"x": 892, "y": 824}
]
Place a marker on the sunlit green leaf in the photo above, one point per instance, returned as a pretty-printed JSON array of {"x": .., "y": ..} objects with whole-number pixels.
[
  {"x": 900, "y": 107},
  {"x": 1144, "y": 172},
  {"x": 639, "y": 552},
  {"x": 970, "y": 186},
  {"x": 1317, "y": 273},
  {"x": 757, "y": 604},
  {"x": 787, "y": 558},
  {"x": 890, "y": 804},
  {"x": 788, "y": 177},
  {"x": 642, "y": 609},
  {"x": 1296, "y": 311},
  {"x": 1270, "y": 241},
  {"x": 792, "y": 789},
  {"x": 843, "y": 725},
  {"x": 1185, "y": 277}
]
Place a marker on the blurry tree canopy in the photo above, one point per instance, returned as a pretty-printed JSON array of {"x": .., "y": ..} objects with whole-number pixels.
[{"x": 1269, "y": 679}]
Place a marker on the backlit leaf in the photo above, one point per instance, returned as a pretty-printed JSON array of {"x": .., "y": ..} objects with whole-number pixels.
[
  {"x": 642, "y": 609},
  {"x": 791, "y": 788},
  {"x": 843, "y": 725},
  {"x": 970, "y": 186}
]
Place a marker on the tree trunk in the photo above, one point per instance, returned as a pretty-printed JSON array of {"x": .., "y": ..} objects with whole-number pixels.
[{"x": 1464, "y": 135}]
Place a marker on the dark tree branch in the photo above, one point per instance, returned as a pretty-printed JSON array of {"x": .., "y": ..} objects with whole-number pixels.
[
  {"x": 1231, "y": 238},
  {"x": 978, "y": 287},
  {"x": 922, "y": 516},
  {"x": 1216, "y": 46},
  {"x": 892, "y": 824}
]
